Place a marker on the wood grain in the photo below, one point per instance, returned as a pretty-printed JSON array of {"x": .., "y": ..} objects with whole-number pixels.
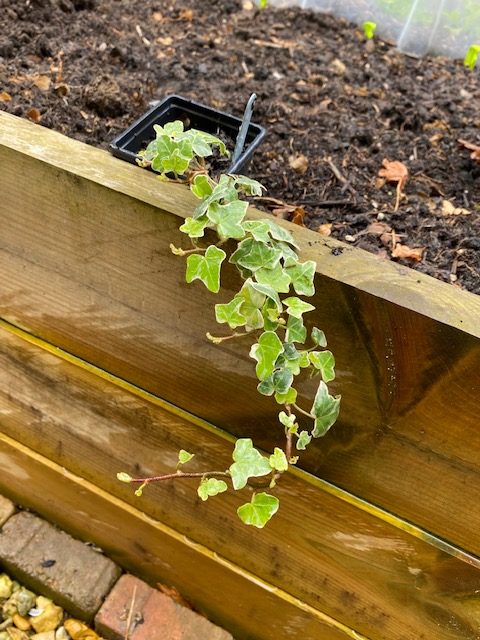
[
  {"x": 86, "y": 266},
  {"x": 340, "y": 560},
  {"x": 229, "y": 595}
]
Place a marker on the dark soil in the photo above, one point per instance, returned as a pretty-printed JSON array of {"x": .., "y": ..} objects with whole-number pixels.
[{"x": 335, "y": 108}]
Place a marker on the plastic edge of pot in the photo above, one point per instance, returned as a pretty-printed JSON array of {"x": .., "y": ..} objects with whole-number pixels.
[{"x": 158, "y": 115}]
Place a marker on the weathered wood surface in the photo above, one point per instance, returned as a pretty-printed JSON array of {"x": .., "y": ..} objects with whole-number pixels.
[
  {"x": 229, "y": 595},
  {"x": 85, "y": 265},
  {"x": 343, "y": 561}
]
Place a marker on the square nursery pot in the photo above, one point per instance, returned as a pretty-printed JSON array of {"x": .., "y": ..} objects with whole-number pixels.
[{"x": 194, "y": 116}]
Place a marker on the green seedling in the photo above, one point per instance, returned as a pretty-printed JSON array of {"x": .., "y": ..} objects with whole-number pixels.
[
  {"x": 267, "y": 308},
  {"x": 471, "y": 58},
  {"x": 369, "y": 29}
]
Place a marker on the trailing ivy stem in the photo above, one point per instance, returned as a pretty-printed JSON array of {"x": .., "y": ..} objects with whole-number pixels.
[
  {"x": 219, "y": 339},
  {"x": 305, "y": 413},
  {"x": 179, "y": 474}
]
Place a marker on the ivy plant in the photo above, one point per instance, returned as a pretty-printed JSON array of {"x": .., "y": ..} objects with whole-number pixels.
[{"x": 269, "y": 308}]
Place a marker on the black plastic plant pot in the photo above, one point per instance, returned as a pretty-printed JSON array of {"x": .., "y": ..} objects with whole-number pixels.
[{"x": 194, "y": 116}]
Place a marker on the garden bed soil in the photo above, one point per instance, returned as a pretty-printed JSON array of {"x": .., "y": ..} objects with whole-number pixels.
[{"x": 336, "y": 107}]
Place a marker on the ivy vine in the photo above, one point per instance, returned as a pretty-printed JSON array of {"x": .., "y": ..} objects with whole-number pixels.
[{"x": 267, "y": 307}]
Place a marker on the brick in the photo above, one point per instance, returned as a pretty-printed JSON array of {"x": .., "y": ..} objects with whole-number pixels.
[
  {"x": 7, "y": 509},
  {"x": 154, "y": 616},
  {"x": 54, "y": 564}
]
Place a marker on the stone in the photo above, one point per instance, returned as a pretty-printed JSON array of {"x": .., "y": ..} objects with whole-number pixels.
[
  {"x": 77, "y": 630},
  {"x": 153, "y": 615},
  {"x": 56, "y": 565},
  {"x": 49, "y": 619},
  {"x": 7, "y": 509},
  {"x": 6, "y": 586},
  {"x": 45, "y": 635},
  {"x": 20, "y": 622}
]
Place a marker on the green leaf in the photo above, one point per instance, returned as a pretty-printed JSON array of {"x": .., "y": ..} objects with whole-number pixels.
[
  {"x": 259, "y": 510},
  {"x": 289, "y": 255},
  {"x": 248, "y": 463},
  {"x": 288, "y": 421},
  {"x": 318, "y": 337},
  {"x": 471, "y": 58},
  {"x": 287, "y": 398},
  {"x": 296, "y": 332},
  {"x": 177, "y": 163},
  {"x": 282, "y": 380},
  {"x": 266, "y": 387},
  {"x": 277, "y": 278},
  {"x": 171, "y": 129},
  {"x": 211, "y": 487},
  {"x": 194, "y": 228},
  {"x": 230, "y": 313},
  {"x": 302, "y": 275},
  {"x": 248, "y": 186},
  {"x": 184, "y": 456},
  {"x": 304, "y": 439},
  {"x": 255, "y": 255},
  {"x": 201, "y": 187},
  {"x": 224, "y": 192},
  {"x": 325, "y": 409},
  {"x": 297, "y": 307},
  {"x": 259, "y": 230},
  {"x": 279, "y": 233},
  {"x": 369, "y": 29},
  {"x": 124, "y": 477},
  {"x": 206, "y": 268},
  {"x": 251, "y": 308},
  {"x": 278, "y": 460},
  {"x": 325, "y": 363},
  {"x": 265, "y": 352},
  {"x": 268, "y": 292},
  {"x": 228, "y": 218},
  {"x": 202, "y": 143},
  {"x": 270, "y": 315}
]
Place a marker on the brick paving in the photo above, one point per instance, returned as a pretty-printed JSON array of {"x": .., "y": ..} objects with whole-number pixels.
[{"x": 80, "y": 579}]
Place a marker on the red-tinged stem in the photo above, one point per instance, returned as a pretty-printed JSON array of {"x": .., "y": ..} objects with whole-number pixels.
[{"x": 179, "y": 474}]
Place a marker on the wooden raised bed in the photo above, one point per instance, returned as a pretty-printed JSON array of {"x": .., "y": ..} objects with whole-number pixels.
[{"x": 102, "y": 353}]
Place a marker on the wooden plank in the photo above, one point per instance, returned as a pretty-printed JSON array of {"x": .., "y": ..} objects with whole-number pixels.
[
  {"x": 85, "y": 265},
  {"x": 366, "y": 572},
  {"x": 227, "y": 594}
]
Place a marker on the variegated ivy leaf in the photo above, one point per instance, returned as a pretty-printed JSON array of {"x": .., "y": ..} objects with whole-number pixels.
[
  {"x": 268, "y": 292},
  {"x": 259, "y": 230},
  {"x": 324, "y": 361},
  {"x": 248, "y": 186},
  {"x": 270, "y": 315},
  {"x": 195, "y": 228},
  {"x": 211, "y": 487},
  {"x": 201, "y": 187},
  {"x": 304, "y": 439},
  {"x": 289, "y": 255},
  {"x": 325, "y": 409},
  {"x": 278, "y": 460},
  {"x": 265, "y": 352},
  {"x": 178, "y": 163},
  {"x": 277, "y": 278},
  {"x": 296, "y": 332},
  {"x": 279, "y": 233},
  {"x": 302, "y": 275},
  {"x": 252, "y": 306},
  {"x": 288, "y": 421},
  {"x": 228, "y": 218},
  {"x": 259, "y": 510},
  {"x": 170, "y": 129},
  {"x": 248, "y": 462},
  {"x": 223, "y": 191},
  {"x": 292, "y": 359},
  {"x": 255, "y": 255},
  {"x": 184, "y": 456},
  {"x": 318, "y": 337},
  {"x": 286, "y": 398},
  {"x": 282, "y": 380},
  {"x": 297, "y": 307},
  {"x": 202, "y": 143},
  {"x": 266, "y": 387},
  {"x": 230, "y": 313},
  {"x": 206, "y": 268}
]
